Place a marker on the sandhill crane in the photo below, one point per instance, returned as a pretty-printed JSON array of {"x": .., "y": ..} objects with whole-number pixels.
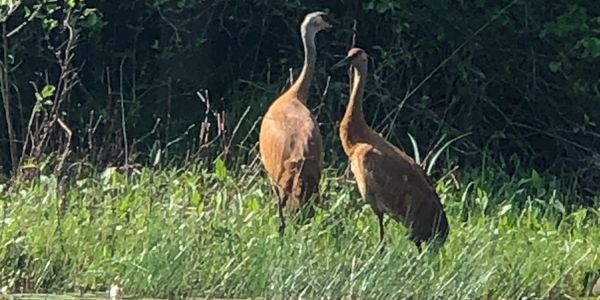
[
  {"x": 290, "y": 143},
  {"x": 390, "y": 180}
]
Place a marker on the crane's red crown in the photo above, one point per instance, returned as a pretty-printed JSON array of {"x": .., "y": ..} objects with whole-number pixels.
[{"x": 355, "y": 51}]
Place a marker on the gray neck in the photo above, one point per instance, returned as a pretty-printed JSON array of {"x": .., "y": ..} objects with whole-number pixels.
[{"x": 302, "y": 84}]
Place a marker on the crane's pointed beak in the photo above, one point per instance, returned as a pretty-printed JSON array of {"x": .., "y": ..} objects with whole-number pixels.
[
  {"x": 329, "y": 23},
  {"x": 341, "y": 63}
]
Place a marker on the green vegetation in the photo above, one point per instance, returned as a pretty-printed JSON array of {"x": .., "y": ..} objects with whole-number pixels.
[{"x": 213, "y": 233}]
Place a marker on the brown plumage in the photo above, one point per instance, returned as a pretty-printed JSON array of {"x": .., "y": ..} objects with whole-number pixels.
[
  {"x": 291, "y": 146},
  {"x": 391, "y": 181}
]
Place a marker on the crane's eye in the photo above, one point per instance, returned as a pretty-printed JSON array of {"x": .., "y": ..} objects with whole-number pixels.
[{"x": 326, "y": 18}]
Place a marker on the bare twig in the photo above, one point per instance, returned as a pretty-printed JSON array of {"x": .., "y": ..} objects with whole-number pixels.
[
  {"x": 145, "y": 136},
  {"x": 166, "y": 20},
  {"x": 6, "y": 97},
  {"x": 47, "y": 120},
  {"x": 22, "y": 25},
  {"x": 123, "y": 122},
  {"x": 66, "y": 147},
  {"x": 354, "y": 32}
]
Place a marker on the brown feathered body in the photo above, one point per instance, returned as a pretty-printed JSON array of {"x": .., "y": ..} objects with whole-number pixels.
[
  {"x": 390, "y": 180},
  {"x": 290, "y": 143},
  {"x": 291, "y": 148}
]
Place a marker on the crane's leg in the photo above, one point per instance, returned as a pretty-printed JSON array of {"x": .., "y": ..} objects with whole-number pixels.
[
  {"x": 381, "y": 231},
  {"x": 381, "y": 228},
  {"x": 280, "y": 205},
  {"x": 419, "y": 246},
  {"x": 281, "y": 200}
]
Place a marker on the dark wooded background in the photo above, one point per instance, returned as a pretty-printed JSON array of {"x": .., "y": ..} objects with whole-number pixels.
[{"x": 521, "y": 77}]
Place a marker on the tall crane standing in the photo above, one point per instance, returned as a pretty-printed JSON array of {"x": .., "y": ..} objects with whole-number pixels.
[
  {"x": 290, "y": 142},
  {"x": 388, "y": 178}
]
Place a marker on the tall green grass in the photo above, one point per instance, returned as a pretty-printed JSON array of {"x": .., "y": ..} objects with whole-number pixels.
[{"x": 212, "y": 232}]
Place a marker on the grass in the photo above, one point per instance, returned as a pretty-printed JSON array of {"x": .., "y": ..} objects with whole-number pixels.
[{"x": 211, "y": 232}]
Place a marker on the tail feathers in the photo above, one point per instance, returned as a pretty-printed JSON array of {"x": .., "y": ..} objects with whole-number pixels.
[
  {"x": 300, "y": 210},
  {"x": 300, "y": 198},
  {"x": 435, "y": 234},
  {"x": 440, "y": 232},
  {"x": 301, "y": 188}
]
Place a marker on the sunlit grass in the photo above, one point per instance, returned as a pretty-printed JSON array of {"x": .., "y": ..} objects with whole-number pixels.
[{"x": 214, "y": 234}]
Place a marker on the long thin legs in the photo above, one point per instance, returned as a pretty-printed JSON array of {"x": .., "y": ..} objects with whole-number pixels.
[
  {"x": 381, "y": 228},
  {"x": 419, "y": 246},
  {"x": 280, "y": 205},
  {"x": 381, "y": 232},
  {"x": 281, "y": 200}
]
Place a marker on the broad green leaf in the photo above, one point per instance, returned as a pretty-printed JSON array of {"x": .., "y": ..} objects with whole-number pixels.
[
  {"x": 504, "y": 209},
  {"x": 220, "y": 169},
  {"x": 48, "y": 91},
  {"x": 536, "y": 179},
  {"x": 157, "y": 158},
  {"x": 554, "y": 66},
  {"x": 591, "y": 46}
]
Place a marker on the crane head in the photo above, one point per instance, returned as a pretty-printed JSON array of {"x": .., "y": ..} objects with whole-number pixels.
[
  {"x": 356, "y": 56},
  {"x": 317, "y": 21}
]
